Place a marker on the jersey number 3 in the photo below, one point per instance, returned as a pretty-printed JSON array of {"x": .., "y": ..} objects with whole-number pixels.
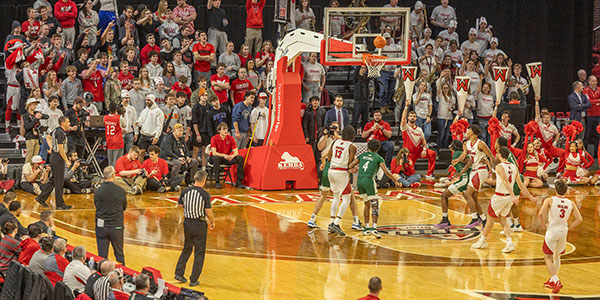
[{"x": 562, "y": 213}]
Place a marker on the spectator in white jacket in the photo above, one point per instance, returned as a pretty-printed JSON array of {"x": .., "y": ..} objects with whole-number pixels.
[
  {"x": 150, "y": 125},
  {"x": 180, "y": 68},
  {"x": 153, "y": 67},
  {"x": 130, "y": 117}
]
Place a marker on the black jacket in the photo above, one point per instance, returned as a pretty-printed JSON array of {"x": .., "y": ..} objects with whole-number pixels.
[
  {"x": 217, "y": 116},
  {"x": 200, "y": 117},
  {"x": 76, "y": 119},
  {"x": 110, "y": 201},
  {"x": 32, "y": 127},
  {"x": 172, "y": 148},
  {"x": 9, "y": 217},
  {"x": 308, "y": 121},
  {"x": 361, "y": 87}
]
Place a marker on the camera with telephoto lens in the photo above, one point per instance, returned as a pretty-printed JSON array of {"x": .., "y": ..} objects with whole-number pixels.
[
  {"x": 83, "y": 162},
  {"x": 331, "y": 129},
  {"x": 144, "y": 174}
]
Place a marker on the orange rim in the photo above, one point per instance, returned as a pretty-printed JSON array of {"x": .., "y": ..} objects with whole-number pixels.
[{"x": 372, "y": 57}]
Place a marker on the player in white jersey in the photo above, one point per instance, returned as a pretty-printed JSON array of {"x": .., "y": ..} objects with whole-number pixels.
[
  {"x": 555, "y": 212},
  {"x": 481, "y": 156},
  {"x": 341, "y": 156},
  {"x": 502, "y": 200}
]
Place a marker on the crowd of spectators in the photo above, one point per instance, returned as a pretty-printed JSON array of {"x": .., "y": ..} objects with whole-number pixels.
[{"x": 161, "y": 81}]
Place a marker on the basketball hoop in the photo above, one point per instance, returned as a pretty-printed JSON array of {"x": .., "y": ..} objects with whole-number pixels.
[{"x": 374, "y": 64}]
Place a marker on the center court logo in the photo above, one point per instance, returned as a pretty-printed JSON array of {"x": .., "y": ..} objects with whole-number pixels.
[
  {"x": 288, "y": 162},
  {"x": 455, "y": 233}
]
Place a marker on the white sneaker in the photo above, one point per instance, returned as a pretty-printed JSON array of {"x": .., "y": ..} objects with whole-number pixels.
[
  {"x": 517, "y": 228},
  {"x": 439, "y": 185},
  {"x": 367, "y": 231},
  {"x": 510, "y": 247},
  {"x": 480, "y": 244}
]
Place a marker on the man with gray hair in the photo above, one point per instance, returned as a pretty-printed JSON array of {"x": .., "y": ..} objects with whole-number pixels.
[
  {"x": 142, "y": 286},
  {"x": 56, "y": 263},
  {"x": 110, "y": 202},
  {"x": 578, "y": 104},
  {"x": 116, "y": 280},
  {"x": 77, "y": 273}
]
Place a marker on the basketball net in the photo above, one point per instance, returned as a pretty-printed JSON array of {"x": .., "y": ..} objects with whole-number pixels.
[{"x": 374, "y": 63}]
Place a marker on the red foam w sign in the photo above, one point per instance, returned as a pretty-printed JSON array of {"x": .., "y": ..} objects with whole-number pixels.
[
  {"x": 408, "y": 73},
  {"x": 462, "y": 84},
  {"x": 500, "y": 74},
  {"x": 535, "y": 71}
]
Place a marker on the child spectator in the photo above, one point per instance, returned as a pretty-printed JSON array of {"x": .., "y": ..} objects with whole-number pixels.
[
  {"x": 232, "y": 61},
  {"x": 65, "y": 12},
  {"x": 258, "y": 120}
]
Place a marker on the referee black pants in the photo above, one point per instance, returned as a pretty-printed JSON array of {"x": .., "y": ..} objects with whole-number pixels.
[
  {"x": 56, "y": 182},
  {"x": 195, "y": 238},
  {"x": 114, "y": 236}
]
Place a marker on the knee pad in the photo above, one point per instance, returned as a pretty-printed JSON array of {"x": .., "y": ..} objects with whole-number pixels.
[{"x": 374, "y": 207}]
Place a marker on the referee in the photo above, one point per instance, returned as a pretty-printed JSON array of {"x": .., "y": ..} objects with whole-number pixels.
[{"x": 197, "y": 215}]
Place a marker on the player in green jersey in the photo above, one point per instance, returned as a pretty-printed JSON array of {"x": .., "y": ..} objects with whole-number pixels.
[
  {"x": 458, "y": 184},
  {"x": 369, "y": 164}
]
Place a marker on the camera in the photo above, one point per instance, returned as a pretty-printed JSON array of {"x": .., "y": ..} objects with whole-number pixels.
[
  {"x": 83, "y": 162},
  {"x": 144, "y": 174},
  {"x": 121, "y": 110},
  {"x": 404, "y": 158},
  {"x": 331, "y": 129},
  {"x": 44, "y": 116}
]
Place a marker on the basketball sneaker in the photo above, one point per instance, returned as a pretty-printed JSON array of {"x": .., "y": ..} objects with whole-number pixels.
[
  {"x": 357, "y": 226},
  {"x": 557, "y": 286},
  {"x": 444, "y": 224},
  {"x": 330, "y": 228},
  {"x": 480, "y": 244},
  {"x": 337, "y": 229},
  {"x": 376, "y": 233},
  {"x": 367, "y": 231},
  {"x": 430, "y": 177},
  {"x": 516, "y": 228},
  {"x": 549, "y": 284},
  {"x": 439, "y": 185},
  {"x": 312, "y": 224},
  {"x": 474, "y": 223},
  {"x": 510, "y": 247}
]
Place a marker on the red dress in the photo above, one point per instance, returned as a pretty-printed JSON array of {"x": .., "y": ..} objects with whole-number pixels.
[{"x": 574, "y": 160}]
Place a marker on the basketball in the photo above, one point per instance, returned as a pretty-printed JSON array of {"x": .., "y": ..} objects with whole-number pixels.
[{"x": 379, "y": 42}]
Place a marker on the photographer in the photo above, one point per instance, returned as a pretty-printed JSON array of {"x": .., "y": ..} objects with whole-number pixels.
[
  {"x": 175, "y": 152},
  {"x": 404, "y": 171},
  {"x": 328, "y": 135},
  {"x": 381, "y": 130},
  {"x": 34, "y": 175},
  {"x": 77, "y": 117},
  {"x": 157, "y": 170},
  {"x": 130, "y": 174},
  {"x": 31, "y": 122},
  {"x": 77, "y": 179}
]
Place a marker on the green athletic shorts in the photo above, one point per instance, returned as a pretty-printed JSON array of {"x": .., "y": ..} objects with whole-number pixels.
[
  {"x": 367, "y": 187},
  {"x": 460, "y": 186},
  {"x": 325, "y": 186}
]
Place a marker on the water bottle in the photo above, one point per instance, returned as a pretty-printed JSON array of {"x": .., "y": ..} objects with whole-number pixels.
[{"x": 91, "y": 263}]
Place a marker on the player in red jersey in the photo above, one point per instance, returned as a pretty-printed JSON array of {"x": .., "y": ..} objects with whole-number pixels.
[
  {"x": 555, "y": 212},
  {"x": 547, "y": 132},
  {"x": 414, "y": 140},
  {"x": 113, "y": 123}
]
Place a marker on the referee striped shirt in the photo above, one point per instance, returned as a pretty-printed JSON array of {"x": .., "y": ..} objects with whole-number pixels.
[{"x": 194, "y": 200}]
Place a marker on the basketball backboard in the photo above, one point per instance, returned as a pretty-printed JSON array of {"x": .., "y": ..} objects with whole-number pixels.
[{"x": 349, "y": 33}]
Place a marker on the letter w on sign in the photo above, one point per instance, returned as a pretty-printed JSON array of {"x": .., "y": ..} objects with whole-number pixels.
[
  {"x": 500, "y": 74},
  {"x": 408, "y": 73},
  {"x": 462, "y": 84},
  {"x": 535, "y": 71}
]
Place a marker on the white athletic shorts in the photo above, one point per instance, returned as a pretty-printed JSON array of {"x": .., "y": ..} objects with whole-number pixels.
[
  {"x": 477, "y": 178},
  {"x": 339, "y": 182},
  {"x": 554, "y": 241},
  {"x": 15, "y": 94},
  {"x": 499, "y": 206}
]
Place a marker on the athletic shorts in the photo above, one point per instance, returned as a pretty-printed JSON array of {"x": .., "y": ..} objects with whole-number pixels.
[
  {"x": 499, "y": 206},
  {"x": 325, "y": 186},
  {"x": 367, "y": 188},
  {"x": 554, "y": 241},
  {"x": 339, "y": 181},
  {"x": 144, "y": 141},
  {"x": 205, "y": 140},
  {"x": 459, "y": 186},
  {"x": 477, "y": 178},
  {"x": 13, "y": 93}
]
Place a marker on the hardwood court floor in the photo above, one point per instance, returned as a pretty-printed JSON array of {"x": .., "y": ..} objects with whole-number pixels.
[{"x": 261, "y": 247}]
